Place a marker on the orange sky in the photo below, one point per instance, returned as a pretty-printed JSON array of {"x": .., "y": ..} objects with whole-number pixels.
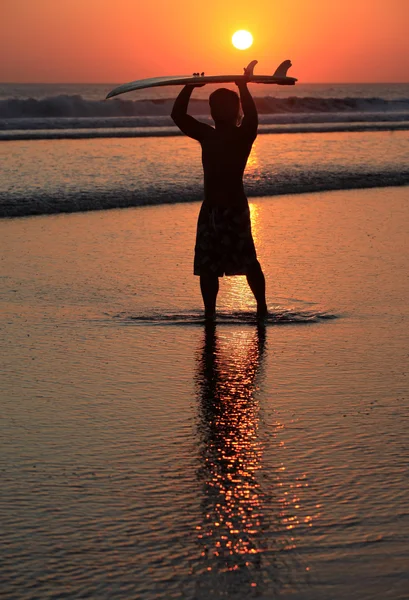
[{"x": 120, "y": 40}]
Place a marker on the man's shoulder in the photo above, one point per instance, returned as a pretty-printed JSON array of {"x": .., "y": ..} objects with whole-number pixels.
[{"x": 248, "y": 132}]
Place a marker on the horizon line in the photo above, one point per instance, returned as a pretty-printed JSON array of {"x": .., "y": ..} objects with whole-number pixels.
[{"x": 119, "y": 83}]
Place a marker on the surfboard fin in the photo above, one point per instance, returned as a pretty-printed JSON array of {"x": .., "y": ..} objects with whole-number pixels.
[
  {"x": 282, "y": 69},
  {"x": 248, "y": 71}
]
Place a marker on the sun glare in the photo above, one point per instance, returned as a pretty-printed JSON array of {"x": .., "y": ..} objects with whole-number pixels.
[{"x": 242, "y": 39}]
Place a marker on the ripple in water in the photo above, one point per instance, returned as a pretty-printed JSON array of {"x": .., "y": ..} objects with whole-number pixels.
[{"x": 275, "y": 317}]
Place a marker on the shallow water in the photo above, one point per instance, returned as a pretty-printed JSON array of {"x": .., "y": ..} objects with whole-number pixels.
[{"x": 143, "y": 457}]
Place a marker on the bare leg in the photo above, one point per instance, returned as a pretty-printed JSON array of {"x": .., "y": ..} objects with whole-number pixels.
[
  {"x": 257, "y": 283},
  {"x": 209, "y": 286}
]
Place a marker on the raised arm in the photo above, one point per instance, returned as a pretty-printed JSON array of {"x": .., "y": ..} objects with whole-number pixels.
[
  {"x": 186, "y": 123},
  {"x": 250, "y": 118}
]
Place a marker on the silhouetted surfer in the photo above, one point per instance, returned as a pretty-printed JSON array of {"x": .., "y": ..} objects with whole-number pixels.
[{"x": 224, "y": 242}]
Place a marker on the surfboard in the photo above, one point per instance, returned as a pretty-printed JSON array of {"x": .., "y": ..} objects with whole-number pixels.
[{"x": 279, "y": 78}]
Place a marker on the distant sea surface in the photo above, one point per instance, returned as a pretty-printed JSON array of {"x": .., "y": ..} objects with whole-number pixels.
[{"x": 66, "y": 149}]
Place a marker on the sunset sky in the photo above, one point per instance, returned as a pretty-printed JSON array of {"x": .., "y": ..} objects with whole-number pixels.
[{"x": 120, "y": 40}]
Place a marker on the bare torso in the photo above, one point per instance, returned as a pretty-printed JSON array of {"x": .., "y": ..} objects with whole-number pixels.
[{"x": 224, "y": 158}]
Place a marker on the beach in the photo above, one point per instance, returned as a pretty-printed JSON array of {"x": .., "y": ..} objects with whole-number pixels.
[
  {"x": 148, "y": 452},
  {"x": 146, "y": 455}
]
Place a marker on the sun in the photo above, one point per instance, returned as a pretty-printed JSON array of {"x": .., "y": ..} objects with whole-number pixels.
[{"x": 242, "y": 39}]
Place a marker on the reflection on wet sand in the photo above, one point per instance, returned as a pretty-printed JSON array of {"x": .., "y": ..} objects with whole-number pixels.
[
  {"x": 246, "y": 539},
  {"x": 231, "y": 454}
]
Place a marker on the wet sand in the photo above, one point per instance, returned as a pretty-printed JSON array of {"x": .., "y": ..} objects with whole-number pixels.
[{"x": 144, "y": 455}]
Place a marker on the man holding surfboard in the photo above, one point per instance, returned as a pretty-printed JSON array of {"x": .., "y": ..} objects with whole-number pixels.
[{"x": 224, "y": 242}]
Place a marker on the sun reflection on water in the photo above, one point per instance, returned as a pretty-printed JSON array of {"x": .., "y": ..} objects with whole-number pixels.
[
  {"x": 231, "y": 452},
  {"x": 239, "y": 295},
  {"x": 246, "y": 535},
  {"x": 255, "y": 220},
  {"x": 253, "y": 160}
]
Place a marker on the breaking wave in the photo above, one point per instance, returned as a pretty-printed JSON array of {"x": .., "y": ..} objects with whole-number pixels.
[
  {"x": 75, "y": 106},
  {"x": 75, "y": 117}
]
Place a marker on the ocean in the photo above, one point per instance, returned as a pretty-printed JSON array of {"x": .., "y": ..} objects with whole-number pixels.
[
  {"x": 145, "y": 455},
  {"x": 70, "y": 150}
]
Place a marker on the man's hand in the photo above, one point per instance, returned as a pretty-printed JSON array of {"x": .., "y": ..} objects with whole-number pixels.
[
  {"x": 246, "y": 77},
  {"x": 241, "y": 82}
]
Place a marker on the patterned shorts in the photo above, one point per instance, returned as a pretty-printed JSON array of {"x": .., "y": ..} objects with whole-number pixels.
[{"x": 224, "y": 243}]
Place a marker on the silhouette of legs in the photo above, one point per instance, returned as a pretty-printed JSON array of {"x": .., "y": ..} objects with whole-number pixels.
[
  {"x": 257, "y": 283},
  {"x": 209, "y": 286}
]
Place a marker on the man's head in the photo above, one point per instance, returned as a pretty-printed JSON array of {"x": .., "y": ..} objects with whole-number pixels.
[{"x": 224, "y": 106}]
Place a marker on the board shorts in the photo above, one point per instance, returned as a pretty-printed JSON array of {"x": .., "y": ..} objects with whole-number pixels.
[{"x": 224, "y": 242}]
